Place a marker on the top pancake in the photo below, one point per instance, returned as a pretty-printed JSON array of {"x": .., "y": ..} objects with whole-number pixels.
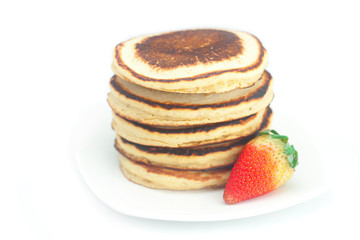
[{"x": 191, "y": 61}]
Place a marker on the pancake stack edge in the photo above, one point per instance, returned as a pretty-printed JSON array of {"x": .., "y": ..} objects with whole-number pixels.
[{"x": 185, "y": 103}]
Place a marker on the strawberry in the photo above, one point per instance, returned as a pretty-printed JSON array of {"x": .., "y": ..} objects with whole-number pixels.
[{"x": 265, "y": 163}]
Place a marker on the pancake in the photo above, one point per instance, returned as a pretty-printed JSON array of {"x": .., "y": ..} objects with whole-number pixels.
[
  {"x": 191, "y": 61},
  {"x": 193, "y": 158},
  {"x": 191, "y": 136},
  {"x": 154, "y": 107},
  {"x": 172, "y": 179}
]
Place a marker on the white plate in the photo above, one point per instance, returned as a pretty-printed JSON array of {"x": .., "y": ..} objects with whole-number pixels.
[{"x": 98, "y": 163}]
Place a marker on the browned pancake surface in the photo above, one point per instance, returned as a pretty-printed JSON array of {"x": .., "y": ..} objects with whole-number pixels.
[{"x": 185, "y": 48}]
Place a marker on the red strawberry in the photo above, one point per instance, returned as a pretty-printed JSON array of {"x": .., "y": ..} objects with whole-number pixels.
[{"x": 265, "y": 163}]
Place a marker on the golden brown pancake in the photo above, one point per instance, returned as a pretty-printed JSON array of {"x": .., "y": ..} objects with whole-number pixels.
[
  {"x": 191, "y": 136},
  {"x": 172, "y": 179},
  {"x": 154, "y": 107},
  {"x": 191, "y": 158},
  {"x": 192, "y": 61}
]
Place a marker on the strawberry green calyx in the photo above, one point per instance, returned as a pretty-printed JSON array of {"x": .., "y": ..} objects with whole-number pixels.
[{"x": 292, "y": 154}]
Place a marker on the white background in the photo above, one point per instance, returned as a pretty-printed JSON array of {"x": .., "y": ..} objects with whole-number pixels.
[{"x": 55, "y": 61}]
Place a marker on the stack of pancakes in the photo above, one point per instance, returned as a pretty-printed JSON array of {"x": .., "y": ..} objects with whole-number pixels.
[{"x": 185, "y": 103}]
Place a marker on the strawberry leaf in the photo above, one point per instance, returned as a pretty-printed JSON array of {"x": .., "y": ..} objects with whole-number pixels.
[
  {"x": 293, "y": 159},
  {"x": 274, "y": 134},
  {"x": 292, "y": 155},
  {"x": 281, "y": 137},
  {"x": 289, "y": 150},
  {"x": 268, "y": 131}
]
